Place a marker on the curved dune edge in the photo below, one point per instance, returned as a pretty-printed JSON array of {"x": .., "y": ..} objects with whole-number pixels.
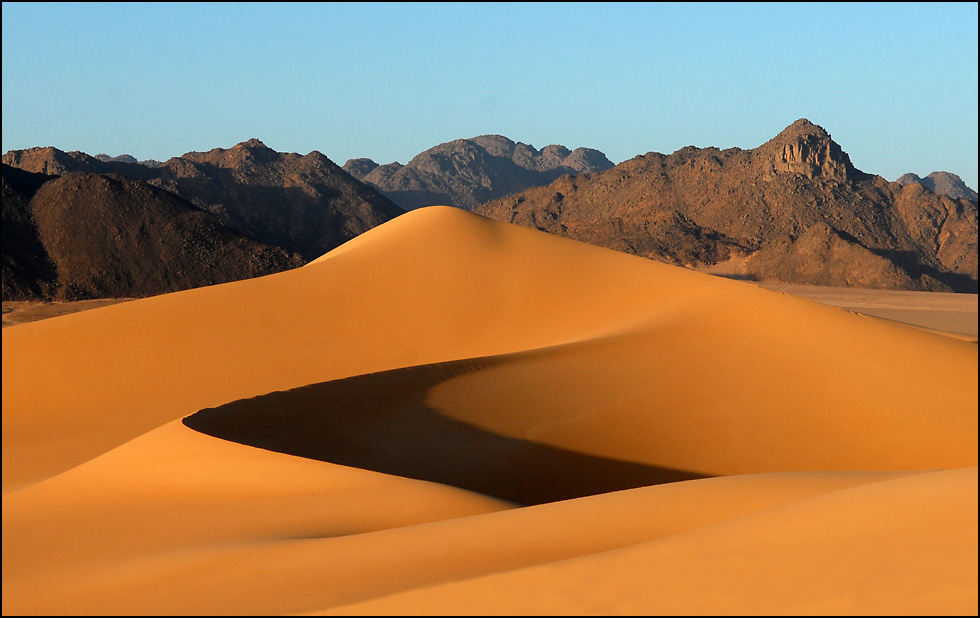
[
  {"x": 174, "y": 488},
  {"x": 577, "y": 419},
  {"x": 439, "y": 350}
]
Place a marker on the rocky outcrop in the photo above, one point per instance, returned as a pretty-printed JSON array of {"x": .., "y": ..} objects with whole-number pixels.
[{"x": 807, "y": 149}]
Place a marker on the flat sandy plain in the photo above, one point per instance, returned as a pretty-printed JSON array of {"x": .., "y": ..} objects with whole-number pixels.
[{"x": 452, "y": 415}]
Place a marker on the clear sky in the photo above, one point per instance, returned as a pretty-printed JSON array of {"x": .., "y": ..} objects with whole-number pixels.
[{"x": 895, "y": 84}]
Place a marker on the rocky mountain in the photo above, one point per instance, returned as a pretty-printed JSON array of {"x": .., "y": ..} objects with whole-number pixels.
[
  {"x": 941, "y": 183},
  {"x": 304, "y": 203},
  {"x": 793, "y": 209},
  {"x": 467, "y": 172},
  {"x": 83, "y": 235}
]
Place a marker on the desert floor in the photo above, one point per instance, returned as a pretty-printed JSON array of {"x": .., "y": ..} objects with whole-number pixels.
[
  {"x": 21, "y": 311},
  {"x": 452, "y": 415}
]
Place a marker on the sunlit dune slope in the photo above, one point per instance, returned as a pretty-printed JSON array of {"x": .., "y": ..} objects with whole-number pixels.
[
  {"x": 905, "y": 546},
  {"x": 441, "y": 284},
  {"x": 166, "y": 501}
]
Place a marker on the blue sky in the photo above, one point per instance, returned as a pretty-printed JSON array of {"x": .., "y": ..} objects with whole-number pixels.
[{"x": 895, "y": 84}]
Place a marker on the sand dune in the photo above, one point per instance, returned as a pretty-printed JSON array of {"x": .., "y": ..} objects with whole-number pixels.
[
  {"x": 899, "y": 547},
  {"x": 455, "y": 415}
]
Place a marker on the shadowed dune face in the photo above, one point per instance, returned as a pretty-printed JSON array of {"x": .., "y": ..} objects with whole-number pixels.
[
  {"x": 606, "y": 414},
  {"x": 382, "y": 422}
]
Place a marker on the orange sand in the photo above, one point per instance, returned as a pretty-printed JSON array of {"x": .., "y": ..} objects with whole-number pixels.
[{"x": 452, "y": 415}]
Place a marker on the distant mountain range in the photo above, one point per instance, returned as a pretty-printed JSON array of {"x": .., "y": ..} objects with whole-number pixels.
[
  {"x": 304, "y": 203},
  {"x": 125, "y": 158},
  {"x": 468, "y": 172},
  {"x": 794, "y": 210},
  {"x": 80, "y": 227}
]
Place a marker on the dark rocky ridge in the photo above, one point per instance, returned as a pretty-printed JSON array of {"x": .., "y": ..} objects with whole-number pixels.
[
  {"x": 84, "y": 235},
  {"x": 793, "y": 209},
  {"x": 303, "y": 203},
  {"x": 467, "y": 172},
  {"x": 28, "y": 272}
]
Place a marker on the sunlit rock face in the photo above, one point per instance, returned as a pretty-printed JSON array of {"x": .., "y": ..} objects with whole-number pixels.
[{"x": 807, "y": 149}]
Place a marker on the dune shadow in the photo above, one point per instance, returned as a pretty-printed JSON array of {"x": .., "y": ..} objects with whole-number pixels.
[
  {"x": 735, "y": 276},
  {"x": 381, "y": 422}
]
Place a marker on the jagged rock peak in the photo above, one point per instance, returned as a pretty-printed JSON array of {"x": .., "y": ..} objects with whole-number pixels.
[
  {"x": 803, "y": 127},
  {"x": 909, "y": 178},
  {"x": 248, "y": 145},
  {"x": 253, "y": 143},
  {"x": 807, "y": 149},
  {"x": 248, "y": 152},
  {"x": 255, "y": 150}
]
